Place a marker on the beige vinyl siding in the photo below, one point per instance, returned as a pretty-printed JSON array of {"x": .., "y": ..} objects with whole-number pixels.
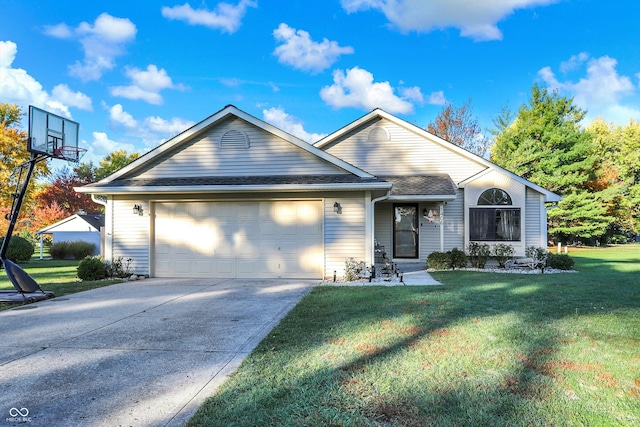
[
  {"x": 429, "y": 231},
  {"x": 533, "y": 235},
  {"x": 454, "y": 223},
  {"x": 406, "y": 153},
  {"x": 383, "y": 231},
  {"x": 267, "y": 155},
  {"x": 130, "y": 234},
  {"x": 344, "y": 233}
]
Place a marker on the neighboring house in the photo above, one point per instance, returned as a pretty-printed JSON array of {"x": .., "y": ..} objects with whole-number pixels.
[
  {"x": 78, "y": 227},
  {"x": 234, "y": 196}
]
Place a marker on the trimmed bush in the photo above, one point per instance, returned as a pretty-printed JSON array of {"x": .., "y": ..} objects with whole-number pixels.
[
  {"x": 59, "y": 250},
  {"x": 92, "y": 268},
  {"x": 559, "y": 261},
  {"x": 81, "y": 250},
  {"x": 479, "y": 253},
  {"x": 72, "y": 250},
  {"x": 502, "y": 252},
  {"x": 458, "y": 258},
  {"x": 439, "y": 260},
  {"x": 19, "y": 250}
]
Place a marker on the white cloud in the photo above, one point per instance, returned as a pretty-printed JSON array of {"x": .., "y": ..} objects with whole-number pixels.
[
  {"x": 226, "y": 17},
  {"x": 437, "y": 98},
  {"x": 102, "y": 42},
  {"x": 600, "y": 92},
  {"x": 18, "y": 87},
  {"x": 63, "y": 94},
  {"x": 60, "y": 31},
  {"x": 574, "y": 62},
  {"x": 168, "y": 127},
  {"x": 475, "y": 19},
  {"x": 280, "y": 119},
  {"x": 356, "y": 88},
  {"x": 121, "y": 117},
  {"x": 102, "y": 145},
  {"x": 412, "y": 93},
  {"x": 146, "y": 85},
  {"x": 299, "y": 51},
  {"x": 151, "y": 128}
]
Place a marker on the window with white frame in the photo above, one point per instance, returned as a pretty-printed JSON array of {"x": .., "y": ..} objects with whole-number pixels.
[{"x": 494, "y": 219}]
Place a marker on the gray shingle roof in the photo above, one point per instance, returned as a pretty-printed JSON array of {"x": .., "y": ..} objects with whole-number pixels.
[{"x": 422, "y": 185}]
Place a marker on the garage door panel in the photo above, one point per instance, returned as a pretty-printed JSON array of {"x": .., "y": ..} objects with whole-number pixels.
[{"x": 239, "y": 239}]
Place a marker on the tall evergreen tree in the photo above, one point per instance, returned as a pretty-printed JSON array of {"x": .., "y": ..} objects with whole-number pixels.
[{"x": 547, "y": 145}]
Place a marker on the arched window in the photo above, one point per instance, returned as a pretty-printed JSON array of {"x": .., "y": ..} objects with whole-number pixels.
[
  {"x": 490, "y": 222},
  {"x": 494, "y": 196}
]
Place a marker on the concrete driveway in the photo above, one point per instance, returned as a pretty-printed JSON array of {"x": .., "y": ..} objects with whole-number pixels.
[{"x": 144, "y": 353}]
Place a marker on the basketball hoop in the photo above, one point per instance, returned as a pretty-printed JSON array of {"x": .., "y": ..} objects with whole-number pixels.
[{"x": 69, "y": 153}]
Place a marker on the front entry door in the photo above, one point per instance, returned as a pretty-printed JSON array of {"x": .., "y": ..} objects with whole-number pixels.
[{"x": 405, "y": 231}]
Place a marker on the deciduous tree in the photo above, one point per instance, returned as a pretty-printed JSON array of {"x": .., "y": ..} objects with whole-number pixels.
[
  {"x": 113, "y": 162},
  {"x": 459, "y": 126},
  {"x": 13, "y": 153}
]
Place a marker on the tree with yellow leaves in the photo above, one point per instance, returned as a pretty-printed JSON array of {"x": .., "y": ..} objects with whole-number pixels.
[{"x": 13, "y": 153}]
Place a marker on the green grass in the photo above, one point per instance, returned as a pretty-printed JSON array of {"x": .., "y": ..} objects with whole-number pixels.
[
  {"x": 483, "y": 350},
  {"x": 56, "y": 276}
]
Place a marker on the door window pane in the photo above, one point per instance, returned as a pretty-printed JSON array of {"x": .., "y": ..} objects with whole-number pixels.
[{"x": 406, "y": 231}]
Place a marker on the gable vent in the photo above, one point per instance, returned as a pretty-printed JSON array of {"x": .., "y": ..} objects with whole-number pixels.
[
  {"x": 378, "y": 134},
  {"x": 234, "y": 139}
]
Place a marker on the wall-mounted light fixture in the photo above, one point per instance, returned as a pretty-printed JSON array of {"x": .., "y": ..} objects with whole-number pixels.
[
  {"x": 337, "y": 208},
  {"x": 137, "y": 210}
]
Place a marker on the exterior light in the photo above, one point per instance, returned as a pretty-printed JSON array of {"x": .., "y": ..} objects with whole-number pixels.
[
  {"x": 337, "y": 208},
  {"x": 137, "y": 210}
]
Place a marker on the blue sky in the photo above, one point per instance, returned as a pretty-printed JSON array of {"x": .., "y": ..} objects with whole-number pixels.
[{"x": 135, "y": 73}]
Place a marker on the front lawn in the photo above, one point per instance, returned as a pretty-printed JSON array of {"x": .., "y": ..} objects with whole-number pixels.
[
  {"x": 56, "y": 276},
  {"x": 483, "y": 350}
]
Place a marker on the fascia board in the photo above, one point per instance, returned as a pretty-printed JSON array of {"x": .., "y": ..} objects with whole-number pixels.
[
  {"x": 57, "y": 224},
  {"x": 425, "y": 198},
  {"x": 233, "y": 188}
]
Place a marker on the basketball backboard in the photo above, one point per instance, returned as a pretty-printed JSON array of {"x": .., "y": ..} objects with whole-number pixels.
[{"x": 53, "y": 136}]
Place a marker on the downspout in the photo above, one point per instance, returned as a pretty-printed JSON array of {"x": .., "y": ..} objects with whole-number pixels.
[
  {"x": 441, "y": 226},
  {"x": 373, "y": 225},
  {"x": 98, "y": 201}
]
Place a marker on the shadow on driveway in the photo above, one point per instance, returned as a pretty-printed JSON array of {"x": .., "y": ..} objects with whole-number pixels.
[{"x": 144, "y": 353}]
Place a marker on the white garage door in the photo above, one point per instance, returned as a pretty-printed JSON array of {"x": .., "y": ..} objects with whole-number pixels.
[{"x": 239, "y": 239}]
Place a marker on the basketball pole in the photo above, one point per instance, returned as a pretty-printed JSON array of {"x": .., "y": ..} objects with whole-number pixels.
[{"x": 15, "y": 211}]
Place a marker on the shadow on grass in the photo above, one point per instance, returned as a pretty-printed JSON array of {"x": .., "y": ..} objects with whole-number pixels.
[{"x": 485, "y": 349}]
